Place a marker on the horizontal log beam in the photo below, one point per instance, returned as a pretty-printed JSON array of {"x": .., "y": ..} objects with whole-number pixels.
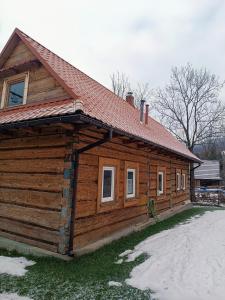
[{"x": 19, "y": 68}]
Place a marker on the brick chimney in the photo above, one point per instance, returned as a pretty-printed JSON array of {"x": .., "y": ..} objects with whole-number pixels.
[
  {"x": 146, "y": 113},
  {"x": 142, "y": 105},
  {"x": 130, "y": 98}
]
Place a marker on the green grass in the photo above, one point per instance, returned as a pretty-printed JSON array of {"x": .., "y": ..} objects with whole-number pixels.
[{"x": 87, "y": 277}]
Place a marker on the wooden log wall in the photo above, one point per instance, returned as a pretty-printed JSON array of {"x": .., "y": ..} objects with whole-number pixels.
[
  {"x": 35, "y": 186},
  {"x": 91, "y": 225},
  {"x": 35, "y": 189}
]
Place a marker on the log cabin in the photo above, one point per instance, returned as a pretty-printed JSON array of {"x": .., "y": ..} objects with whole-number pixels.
[{"x": 78, "y": 163}]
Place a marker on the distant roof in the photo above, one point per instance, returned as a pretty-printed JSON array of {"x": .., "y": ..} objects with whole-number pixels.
[
  {"x": 210, "y": 169},
  {"x": 99, "y": 102}
]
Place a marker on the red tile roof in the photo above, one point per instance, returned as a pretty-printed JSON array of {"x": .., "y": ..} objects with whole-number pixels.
[{"x": 99, "y": 102}]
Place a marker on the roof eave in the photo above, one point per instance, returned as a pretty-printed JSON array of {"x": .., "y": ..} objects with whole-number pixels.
[{"x": 73, "y": 118}]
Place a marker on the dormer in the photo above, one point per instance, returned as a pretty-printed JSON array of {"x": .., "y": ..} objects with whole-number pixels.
[{"x": 24, "y": 79}]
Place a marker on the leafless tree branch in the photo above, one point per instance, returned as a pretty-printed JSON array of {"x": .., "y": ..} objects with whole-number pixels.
[
  {"x": 121, "y": 85},
  {"x": 189, "y": 105}
]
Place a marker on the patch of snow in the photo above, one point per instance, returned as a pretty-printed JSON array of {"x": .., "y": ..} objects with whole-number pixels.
[
  {"x": 14, "y": 265},
  {"x": 114, "y": 283},
  {"x": 186, "y": 262},
  {"x": 125, "y": 253},
  {"x": 13, "y": 296},
  {"x": 132, "y": 256},
  {"x": 119, "y": 261}
]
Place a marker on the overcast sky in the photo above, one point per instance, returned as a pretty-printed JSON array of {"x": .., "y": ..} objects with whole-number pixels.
[{"x": 142, "y": 38}]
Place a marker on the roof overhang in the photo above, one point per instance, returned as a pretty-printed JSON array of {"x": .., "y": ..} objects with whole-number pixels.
[{"x": 82, "y": 118}]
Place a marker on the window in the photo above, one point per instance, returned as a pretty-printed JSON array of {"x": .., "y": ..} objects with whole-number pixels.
[
  {"x": 131, "y": 183},
  {"x": 15, "y": 91},
  {"x": 178, "y": 180},
  {"x": 183, "y": 181},
  {"x": 160, "y": 183},
  {"x": 108, "y": 183}
]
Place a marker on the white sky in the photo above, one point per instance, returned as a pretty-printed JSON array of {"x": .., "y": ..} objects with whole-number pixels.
[{"x": 142, "y": 38}]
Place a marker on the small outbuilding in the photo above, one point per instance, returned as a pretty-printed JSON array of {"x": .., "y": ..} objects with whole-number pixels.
[{"x": 208, "y": 174}]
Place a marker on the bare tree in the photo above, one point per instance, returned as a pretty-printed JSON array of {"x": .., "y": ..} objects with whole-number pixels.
[
  {"x": 142, "y": 91},
  {"x": 121, "y": 86},
  {"x": 189, "y": 105},
  {"x": 190, "y": 108}
]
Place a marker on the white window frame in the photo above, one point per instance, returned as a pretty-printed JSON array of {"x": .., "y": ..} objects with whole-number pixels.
[
  {"x": 134, "y": 183},
  {"x": 111, "y": 198},
  {"x": 5, "y": 91},
  {"x": 183, "y": 181},
  {"x": 178, "y": 181},
  {"x": 160, "y": 192}
]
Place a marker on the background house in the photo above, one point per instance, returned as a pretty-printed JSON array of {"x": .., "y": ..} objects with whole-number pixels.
[{"x": 208, "y": 174}]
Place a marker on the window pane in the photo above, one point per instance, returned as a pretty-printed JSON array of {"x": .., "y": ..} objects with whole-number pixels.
[
  {"x": 160, "y": 182},
  {"x": 107, "y": 183},
  {"x": 130, "y": 182},
  {"x": 16, "y": 93},
  {"x": 183, "y": 181},
  {"x": 178, "y": 181}
]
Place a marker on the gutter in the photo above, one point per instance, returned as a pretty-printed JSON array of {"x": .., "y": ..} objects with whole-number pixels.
[
  {"x": 192, "y": 169},
  {"x": 80, "y": 118},
  {"x": 75, "y": 169}
]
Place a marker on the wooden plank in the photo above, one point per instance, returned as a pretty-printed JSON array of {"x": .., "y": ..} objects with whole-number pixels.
[
  {"x": 101, "y": 220},
  {"x": 58, "y": 152},
  {"x": 47, "y": 95},
  {"x": 46, "y": 218},
  {"x": 87, "y": 191},
  {"x": 31, "y": 198},
  {"x": 42, "y": 85},
  {"x": 29, "y": 241},
  {"x": 29, "y": 231},
  {"x": 32, "y": 166},
  {"x": 88, "y": 173},
  {"x": 90, "y": 237},
  {"x": 20, "y": 54},
  {"x": 34, "y": 142},
  {"x": 43, "y": 182},
  {"x": 86, "y": 208},
  {"x": 110, "y": 152}
]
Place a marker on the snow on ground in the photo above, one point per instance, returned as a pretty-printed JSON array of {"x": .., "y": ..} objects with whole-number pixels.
[
  {"x": 14, "y": 265},
  {"x": 125, "y": 253},
  {"x": 186, "y": 262},
  {"x": 119, "y": 261},
  {"x": 114, "y": 283},
  {"x": 13, "y": 297}
]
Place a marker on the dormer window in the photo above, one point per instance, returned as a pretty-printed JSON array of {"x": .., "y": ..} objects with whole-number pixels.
[{"x": 15, "y": 91}]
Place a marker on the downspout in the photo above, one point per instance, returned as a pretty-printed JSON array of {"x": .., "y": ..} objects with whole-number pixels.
[
  {"x": 75, "y": 167},
  {"x": 171, "y": 189},
  {"x": 192, "y": 182},
  {"x": 192, "y": 169}
]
